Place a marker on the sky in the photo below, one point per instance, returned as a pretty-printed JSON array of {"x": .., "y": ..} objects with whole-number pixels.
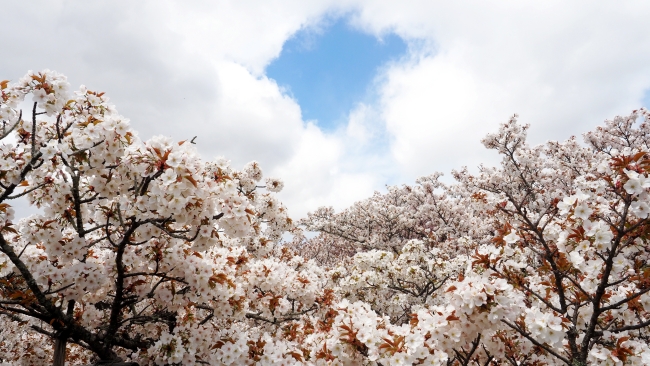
[
  {"x": 340, "y": 97},
  {"x": 330, "y": 69}
]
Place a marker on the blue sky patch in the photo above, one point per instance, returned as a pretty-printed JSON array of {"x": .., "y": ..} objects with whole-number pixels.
[{"x": 330, "y": 69}]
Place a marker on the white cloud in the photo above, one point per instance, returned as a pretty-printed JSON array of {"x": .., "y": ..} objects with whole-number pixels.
[
  {"x": 563, "y": 67},
  {"x": 253, "y": 120},
  {"x": 250, "y": 33},
  {"x": 316, "y": 175},
  {"x": 427, "y": 105}
]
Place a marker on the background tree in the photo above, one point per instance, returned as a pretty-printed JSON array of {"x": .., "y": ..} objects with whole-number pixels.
[{"x": 543, "y": 260}]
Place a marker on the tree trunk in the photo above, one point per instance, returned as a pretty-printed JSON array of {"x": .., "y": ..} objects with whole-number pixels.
[
  {"x": 62, "y": 340},
  {"x": 59, "y": 351}
]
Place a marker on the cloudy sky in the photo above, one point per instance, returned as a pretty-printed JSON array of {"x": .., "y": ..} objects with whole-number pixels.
[{"x": 341, "y": 97}]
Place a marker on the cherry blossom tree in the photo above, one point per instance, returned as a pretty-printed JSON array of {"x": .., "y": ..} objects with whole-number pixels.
[
  {"x": 543, "y": 260},
  {"x": 143, "y": 252},
  {"x": 140, "y": 249}
]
